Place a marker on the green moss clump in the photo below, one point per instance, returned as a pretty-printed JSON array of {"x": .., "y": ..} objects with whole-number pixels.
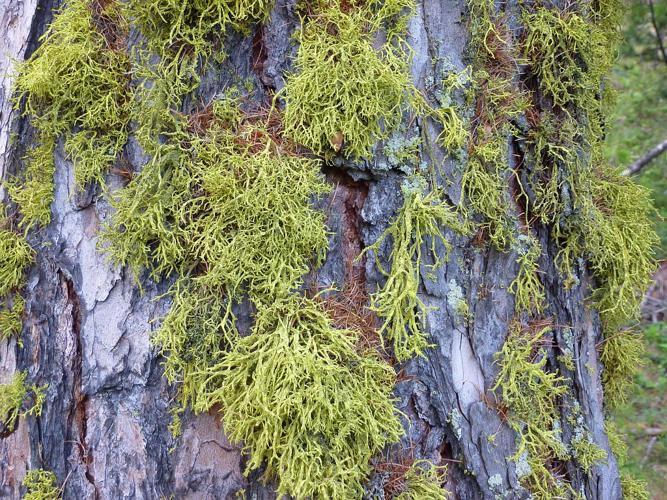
[
  {"x": 12, "y": 397},
  {"x": 531, "y": 395},
  {"x": 345, "y": 94},
  {"x": 424, "y": 480},
  {"x": 622, "y": 355},
  {"x": 420, "y": 221},
  {"x": 296, "y": 372},
  {"x": 41, "y": 485},
  {"x": 587, "y": 453},
  {"x": 75, "y": 84}
]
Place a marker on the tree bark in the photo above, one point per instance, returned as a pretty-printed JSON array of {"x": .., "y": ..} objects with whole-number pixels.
[{"x": 104, "y": 425}]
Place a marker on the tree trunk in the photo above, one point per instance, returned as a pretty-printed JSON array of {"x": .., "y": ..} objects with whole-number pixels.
[{"x": 87, "y": 327}]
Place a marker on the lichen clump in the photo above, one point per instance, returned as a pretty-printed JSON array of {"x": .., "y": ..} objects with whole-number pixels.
[
  {"x": 16, "y": 256},
  {"x": 418, "y": 226},
  {"x": 40, "y": 485},
  {"x": 75, "y": 86},
  {"x": 531, "y": 393},
  {"x": 304, "y": 402},
  {"x": 13, "y": 396},
  {"x": 424, "y": 480},
  {"x": 346, "y": 94}
]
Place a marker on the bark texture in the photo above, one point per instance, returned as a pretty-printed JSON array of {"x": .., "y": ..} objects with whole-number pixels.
[{"x": 103, "y": 430}]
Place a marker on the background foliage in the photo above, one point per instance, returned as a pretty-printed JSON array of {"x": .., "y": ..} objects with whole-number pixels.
[{"x": 640, "y": 78}]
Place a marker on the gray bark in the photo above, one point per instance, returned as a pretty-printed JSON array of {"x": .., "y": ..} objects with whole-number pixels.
[{"x": 103, "y": 430}]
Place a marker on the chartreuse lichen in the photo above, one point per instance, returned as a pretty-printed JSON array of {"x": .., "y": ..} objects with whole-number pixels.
[
  {"x": 345, "y": 93},
  {"x": 16, "y": 256},
  {"x": 417, "y": 230},
  {"x": 75, "y": 85},
  {"x": 633, "y": 487},
  {"x": 622, "y": 354},
  {"x": 230, "y": 209},
  {"x": 586, "y": 452},
  {"x": 527, "y": 287},
  {"x": 13, "y": 395},
  {"x": 196, "y": 333},
  {"x": 424, "y": 480},
  {"x": 304, "y": 402},
  {"x": 172, "y": 24},
  {"x": 40, "y": 485},
  {"x": 530, "y": 394}
]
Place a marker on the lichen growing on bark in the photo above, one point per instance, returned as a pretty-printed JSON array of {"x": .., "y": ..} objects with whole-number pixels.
[
  {"x": 531, "y": 393},
  {"x": 424, "y": 480},
  {"x": 40, "y": 485},
  {"x": 294, "y": 372},
  {"x": 75, "y": 85},
  {"x": 13, "y": 397},
  {"x": 415, "y": 235},
  {"x": 345, "y": 94}
]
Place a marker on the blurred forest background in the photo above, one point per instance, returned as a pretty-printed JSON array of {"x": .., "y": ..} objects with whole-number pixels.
[{"x": 639, "y": 124}]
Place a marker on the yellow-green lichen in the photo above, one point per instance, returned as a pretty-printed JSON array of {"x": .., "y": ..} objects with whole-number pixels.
[
  {"x": 15, "y": 256},
  {"x": 296, "y": 372},
  {"x": 424, "y": 481},
  {"x": 633, "y": 488},
  {"x": 622, "y": 354},
  {"x": 346, "y": 93},
  {"x": 11, "y": 316},
  {"x": 40, "y": 485},
  {"x": 615, "y": 233},
  {"x": 531, "y": 394},
  {"x": 418, "y": 227},
  {"x": 527, "y": 288},
  {"x": 196, "y": 332},
  {"x": 587, "y": 453},
  {"x": 74, "y": 85},
  {"x": 229, "y": 201},
  {"x": 13, "y": 395},
  {"x": 174, "y": 24}
]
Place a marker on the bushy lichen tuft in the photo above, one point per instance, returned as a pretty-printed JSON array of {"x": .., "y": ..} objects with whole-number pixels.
[
  {"x": 531, "y": 395},
  {"x": 418, "y": 226},
  {"x": 296, "y": 372},
  {"x": 11, "y": 316},
  {"x": 13, "y": 396},
  {"x": 424, "y": 480},
  {"x": 40, "y": 485},
  {"x": 527, "y": 287},
  {"x": 195, "y": 334},
  {"x": 615, "y": 232},
  {"x": 74, "y": 85},
  {"x": 345, "y": 93},
  {"x": 622, "y": 355},
  {"x": 587, "y": 453},
  {"x": 15, "y": 256},
  {"x": 174, "y": 24},
  {"x": 633, "y": 487},
  {"x": 229, "y": 202}
]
